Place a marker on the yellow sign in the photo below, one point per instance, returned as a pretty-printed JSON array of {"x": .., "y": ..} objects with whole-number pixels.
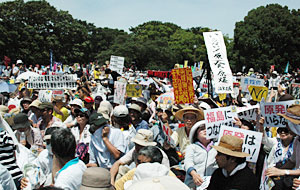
[
  {"x": 134, "y": 90},
  {"x": 186, "y": 63},
  {"x": 222, "y": 96},
  {"x": 258, "y": 92},
  {"x": 201, "y": 65}
]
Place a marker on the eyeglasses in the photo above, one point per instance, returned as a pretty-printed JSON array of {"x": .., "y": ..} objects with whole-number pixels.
[{"x": 80, "y": 115}]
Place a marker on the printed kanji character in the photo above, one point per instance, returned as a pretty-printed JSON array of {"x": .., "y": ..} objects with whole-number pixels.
[
  {"x": 220, "y": 116},
  {"x": 210, "y": 117},
  {"x": 227, "y": 132},
  {"x": 269, "y": 109},
  {"x": 280, "y": 109}
]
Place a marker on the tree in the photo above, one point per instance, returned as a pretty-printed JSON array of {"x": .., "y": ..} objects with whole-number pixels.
[{"x": 268, "y": 36}]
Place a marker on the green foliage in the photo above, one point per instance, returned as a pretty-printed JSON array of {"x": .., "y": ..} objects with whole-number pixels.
[{"x": 268, "y": 36}]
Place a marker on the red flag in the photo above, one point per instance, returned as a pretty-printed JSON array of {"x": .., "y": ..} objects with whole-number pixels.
[{"x": 6, "y": 60}]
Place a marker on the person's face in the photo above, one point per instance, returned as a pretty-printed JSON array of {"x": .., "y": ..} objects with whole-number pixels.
[
  {"x": 88, "y": 105},
  {"x": 26, "y": 105},
  {"x": 134, "y": 115},
  {"x": 143, "y": 159},
  {"x": 81, "y": 118},
  {"x": 245, "y": 127},
  {"x": 221, "y": 160},
  {"x": 189, "y": 120},
  {"x": 201, "y": 133},
  {"x": 73, "y": 108},
  {"x": 46, "y": 113},
  {"x": 285, "y": 134}
]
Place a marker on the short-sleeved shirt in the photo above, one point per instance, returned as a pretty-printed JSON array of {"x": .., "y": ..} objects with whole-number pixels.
[
  {"x": 98, "y": 151},
  {"x": 64, "y": 116},
  {"x": 70, "y": 176},
  {"x": 180, "y": 137},
  {"x": 142, "y": 125},
  {"x": 295, "y": 158},
  {"x": 7, "y": 155}
]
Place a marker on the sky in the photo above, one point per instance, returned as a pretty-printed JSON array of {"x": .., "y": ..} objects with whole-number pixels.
[{"x": 123, "y": 14}]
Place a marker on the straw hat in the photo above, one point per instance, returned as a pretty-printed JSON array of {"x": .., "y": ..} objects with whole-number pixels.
[
  {"x": 190, "y": 109},
  {"x": 232, "y": 146},
  {"x": 292, "y": 114}
]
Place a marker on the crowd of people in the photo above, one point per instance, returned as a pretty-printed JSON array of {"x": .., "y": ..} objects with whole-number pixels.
[{"x": 84, "y": 140}]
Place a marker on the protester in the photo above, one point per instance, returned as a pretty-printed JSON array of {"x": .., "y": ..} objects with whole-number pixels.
[
  {"x": 35, "y": 116},
  {"x": 135, "y": 113},
  {"x": 96, "y": 178},
  {"x": 233, "y": 172},
  {"x": 60, "y": 111},
  {"x": 48, "y": 119}
]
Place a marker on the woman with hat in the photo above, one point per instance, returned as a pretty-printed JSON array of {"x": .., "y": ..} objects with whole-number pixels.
[
  {"x": 25, "y": 102},
  {"x": 199, "y": 157},
  {"x": 82, "y": 134},
  {"x": 189, "y": 116}
]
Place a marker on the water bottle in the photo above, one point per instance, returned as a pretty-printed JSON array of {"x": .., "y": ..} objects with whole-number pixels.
[{"x": 23, "y": 138}]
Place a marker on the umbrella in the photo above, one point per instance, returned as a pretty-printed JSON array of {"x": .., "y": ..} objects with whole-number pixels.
[
  {"x": 5, "y": 87},
  {"x": 26, "y": 75}
]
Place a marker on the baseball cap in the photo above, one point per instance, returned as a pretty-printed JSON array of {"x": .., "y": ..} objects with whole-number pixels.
[
  {"x": 135, "y": 107},
  {"x": 21, "y": 121},
  {"x": 89, "y": 99},
  {"x": 83, "y": 110},
  {"x": 97, "y": 119},
  {"x": 77, "y": 102},
  {"x": 120, "y": 111}
]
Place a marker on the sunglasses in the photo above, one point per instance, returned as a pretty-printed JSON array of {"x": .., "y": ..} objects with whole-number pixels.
[
  {"x": 81, "y": 115},
  {"x": 283, "y": 130}
]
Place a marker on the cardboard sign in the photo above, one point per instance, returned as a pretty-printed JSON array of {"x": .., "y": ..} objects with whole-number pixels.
[
  {"x": 258, "y": 92},
  {"x": 219, "y": 64},
  {"x": 252, "y": 140},
  {"x": 215, "y": 118},
  {"x": 134, "y": 90},
  {"x": 165, "y": 100},
  {"x": 120, "y": 91},
  {"x": 52, "y": 82},
  {"x": 295, "y": 90},
  {"x": 116, "y": 64},
  {"x": 247, "y": 113},
  {"x": 247, "y": 81},
  {"x": 159, "y": 74},
  {"x": 269, "y": 111},
  {"x": 183, "y": 85}
]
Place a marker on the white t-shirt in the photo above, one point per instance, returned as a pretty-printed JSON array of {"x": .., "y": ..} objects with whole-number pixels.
[
  {"x": 70, "y": 176},
  {"x": 85, "y": 136}
]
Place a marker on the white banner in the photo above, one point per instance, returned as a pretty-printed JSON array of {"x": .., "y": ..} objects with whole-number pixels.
[
  {"x": 247, "y": 81},
  {"x": 45, "y": 95},
  {"x": 52, "y": 82},
  {"x": 248, "y": 112},
  {"x": 269, "y": 111},
  {"x": 219, "y": 64},
  {"x": 116, "y": 64},
  {"x": 215, "y": 118},
  {"x": 120, "y": 91},
  {"x": 252, "y": 140}
]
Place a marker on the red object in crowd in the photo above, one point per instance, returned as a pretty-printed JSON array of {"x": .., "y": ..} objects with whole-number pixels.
[
  {"x": 6, "y": 60},
  {"x": 10, "y": 107},
  {"x": 180, "y": 125},
  {"x": 89, "y": 99}
]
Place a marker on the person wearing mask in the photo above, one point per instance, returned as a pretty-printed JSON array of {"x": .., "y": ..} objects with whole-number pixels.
[{"x": 199, "y": 159}]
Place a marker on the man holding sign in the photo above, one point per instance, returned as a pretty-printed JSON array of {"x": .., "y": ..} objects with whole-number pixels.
[{"x": 233, "y": 172}]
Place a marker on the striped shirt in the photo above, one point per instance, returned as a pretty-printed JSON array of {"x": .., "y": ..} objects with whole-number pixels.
[{"x": 7, "y": 158}]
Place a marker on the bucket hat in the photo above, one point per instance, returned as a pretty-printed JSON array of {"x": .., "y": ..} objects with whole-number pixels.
[{"x": 144, "y": 137}]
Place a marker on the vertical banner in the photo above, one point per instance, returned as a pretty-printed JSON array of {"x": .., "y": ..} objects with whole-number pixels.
[
  {"x": 183, "y": 85},
  {"x": 120, "y": 91},
  {"x": 51, "y": 59},
  {"x": 219, "y": 64},
  {"x": 116, "y": 64},
  {"x": 252, "y": 140},
  {"x": 215, "y": 118},
  {"x": 269, "y": 111}
]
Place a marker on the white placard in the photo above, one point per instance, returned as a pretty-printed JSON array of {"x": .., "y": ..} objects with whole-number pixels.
[
  {"x": 252, "y": 140},
  {"x": 116, "y": 64},
  {"x": 269, "y": 111},
  {"x": 120, "y": 91},
  {"x": 248, "y": 112},
  {"x": 215, "y": 118},
  {"x": 247, "y": 81},
  {"x": 52, "y": 82},
  {"x": 219, "y": 64},
  {"x": 45, "y": 95}
]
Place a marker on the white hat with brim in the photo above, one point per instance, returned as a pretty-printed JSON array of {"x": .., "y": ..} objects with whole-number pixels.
[
  {"x": 195, "y": 128},
  {"x": 190, "y": 109},
  {"x": 144, "y": 137}
]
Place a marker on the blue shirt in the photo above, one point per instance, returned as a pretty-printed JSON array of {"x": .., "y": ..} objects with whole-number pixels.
[{"x": 142, "y": 125}]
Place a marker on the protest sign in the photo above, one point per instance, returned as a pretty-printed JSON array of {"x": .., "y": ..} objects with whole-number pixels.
[
  {"x": 205, "y": 183},
  {"x": 52, "y": 82},
  {"x": 219, "y": 64},
  {"x": 295, "y": 90},
  {"x": 252, "y": 140},
  {"x": 159, "y": 74},
  {"x": 165, "y": 100},
  {"x": 248, "y": 112},
  {"x": 265, "y": 180},
  {"x": 215, "y": 118},
  {"x": 45, "y": 95},
  {"x": 258, "y": 92},
  {"x": 58, "y": 93},
  {"x": 116, "y": 64},
  {"x": 269, "y": 111},
  {"x": 183, "y": 85},
  {"x": 120, "y": 91},
  {"x": 247, "y": 81},
  {"x": 134, "y": 90},
  {"x": 222, "y": 97}
]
